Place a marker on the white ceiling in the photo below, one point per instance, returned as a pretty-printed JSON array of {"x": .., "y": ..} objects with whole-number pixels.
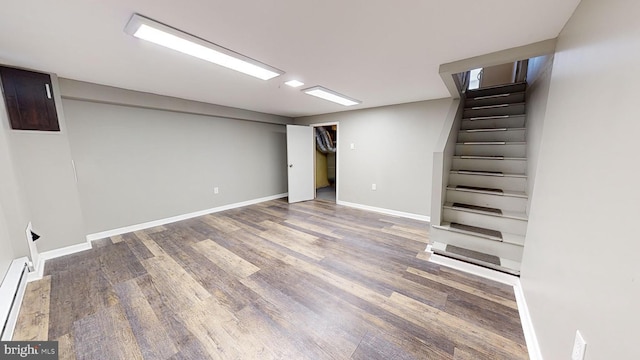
[{"x": 378, "y": 51}]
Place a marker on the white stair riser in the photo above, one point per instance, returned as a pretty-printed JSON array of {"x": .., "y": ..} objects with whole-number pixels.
[
  {"x": 508, "y": 135},
  {"x": 505, "y": 183},
  {"x": 505, "y": 166},
  {"x": 506, "y": 203},
  {"x": 510, "y": 122},
  {"x": 517, "y": 227},
  {"x": 507, "y": 150},
  {"x": 500, "y": 249},
  {"x": 511, "y": 109},
  {"x": 506, "y": 89},
  {"x": 510, "y": 99}
]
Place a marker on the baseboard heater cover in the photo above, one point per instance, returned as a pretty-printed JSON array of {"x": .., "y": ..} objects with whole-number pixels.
[{"x": 11, "y": 294}]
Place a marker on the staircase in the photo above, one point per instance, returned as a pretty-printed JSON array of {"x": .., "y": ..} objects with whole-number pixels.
[{"x": 484, "y": 218}]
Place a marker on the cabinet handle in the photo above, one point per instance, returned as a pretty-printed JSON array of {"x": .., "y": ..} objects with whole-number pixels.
[{"x": 46, "y": 86}]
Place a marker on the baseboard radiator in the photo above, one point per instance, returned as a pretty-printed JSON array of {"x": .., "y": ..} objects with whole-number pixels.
[{"x": 11, "y": 294}]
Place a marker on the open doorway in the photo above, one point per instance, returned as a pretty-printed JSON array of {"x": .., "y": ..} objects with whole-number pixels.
[{"x": 326, "y": 161}]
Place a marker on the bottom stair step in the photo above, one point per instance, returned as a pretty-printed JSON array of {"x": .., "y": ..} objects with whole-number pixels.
[
  {"x": 477, "y": 258},
  {"x": 491, "y": 259}
]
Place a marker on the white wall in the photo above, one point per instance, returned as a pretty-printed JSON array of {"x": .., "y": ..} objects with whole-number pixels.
[
  {"x": 42, "y": 160},
  {"x": 580, "y": 268},
  {"x": 394, "y": 148},
  {"x": 14, "y": 214},
  {"x": 137, "y": 165},
  {"x": 7, "y": 254},
  {"x": 10, "y": 235},
  {"x": 538, "y": 79}
]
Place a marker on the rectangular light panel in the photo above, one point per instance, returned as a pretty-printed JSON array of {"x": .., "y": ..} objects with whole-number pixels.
[
  {"x": 330, "y": 95},
  {"x": 294, "y": 83},
  {"x": 160, "y": 34}
]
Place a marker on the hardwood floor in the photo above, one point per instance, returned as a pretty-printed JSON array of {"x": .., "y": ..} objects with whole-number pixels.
[{"x": 270, "y": 281}]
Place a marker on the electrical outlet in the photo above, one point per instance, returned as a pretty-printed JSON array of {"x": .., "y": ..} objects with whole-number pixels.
[
  {"x": 374, "y": 187},
  {"x": 579, "y": 347},
  {"x": 352, "y": 146},
  {"x": 216, "y": 191}
]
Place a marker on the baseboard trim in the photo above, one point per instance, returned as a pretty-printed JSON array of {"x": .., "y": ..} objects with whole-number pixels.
[
  {"x": 385, "y": 211},
  {"x": 523, "y": 310},
  {"x": 52, "y": 254},
  {"x": 150, "y": 224},
  {"x": 527, "y": 323},
  {"x": 12, "y": 291}
]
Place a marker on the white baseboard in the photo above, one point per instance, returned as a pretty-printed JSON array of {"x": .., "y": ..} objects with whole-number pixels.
[
  {"x": 11, "y": 293},
  {"x": 527, "y": 323},
  {"x": 523, "y": 310},
  {"x": 52, "y": 254},
  {"x": 385, "y": 211},
  {"x": 150, "y": 224}
]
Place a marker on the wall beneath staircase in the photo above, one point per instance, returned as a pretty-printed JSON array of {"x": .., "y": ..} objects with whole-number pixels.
[{"x": 580, "y": 268}]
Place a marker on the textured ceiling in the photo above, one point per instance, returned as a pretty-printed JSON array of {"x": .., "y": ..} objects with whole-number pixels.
[{"x": 378, "y": 51}]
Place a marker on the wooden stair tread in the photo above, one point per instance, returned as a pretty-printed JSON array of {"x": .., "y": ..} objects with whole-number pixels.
[
  {"x": 507, "y": 238},
  {"x": 492, "y": 143},
  {"x": 477, "y": 230},
  {"x": 488, "y": 191},
  {"x": 481, "y": 210},
  {"x": 493, "y": 117},
  {"x": 464, "y": 187},
  {"x": 503, "y": 174},
  {"x": 497, "y": 106},
  {"x": 486, "y": 97},
  {"x": 477, "y": 208},
  {"x": 480, "y": 172},
  {"x": 492, "y": 130},
  {"x": 492, "y": 259},
  {"x": 488, "y": 157}
]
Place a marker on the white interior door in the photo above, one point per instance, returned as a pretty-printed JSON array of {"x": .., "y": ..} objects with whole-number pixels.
[{"x": 300, "y": 163}]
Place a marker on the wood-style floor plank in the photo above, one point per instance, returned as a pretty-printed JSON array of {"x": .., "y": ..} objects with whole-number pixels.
[
  {"x": 274, "y": 280},
  {"x": 225, "y": 259},
  {"x": 150, "y": 335},
  {"x": 105, "y": 334},
  {"x": 33, "y": 319}
]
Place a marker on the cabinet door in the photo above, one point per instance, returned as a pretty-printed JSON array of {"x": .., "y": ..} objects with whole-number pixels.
[{"x": 29, "y": 99}]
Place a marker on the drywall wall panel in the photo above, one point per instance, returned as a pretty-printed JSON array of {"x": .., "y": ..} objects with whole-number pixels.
[
  {"x": 392, "y": 148},
  {"x": 42, "y": 188},
  {"x": 580, "y": 269},
  {"x": 497, "y": 75},
  {"x": 7, "y": 254},
  {"x": 538, "y": 79},
  {"x": 136, "y": 165},
  {"x": 80, "y": 90},
  {"x": 13, "y": 212}
]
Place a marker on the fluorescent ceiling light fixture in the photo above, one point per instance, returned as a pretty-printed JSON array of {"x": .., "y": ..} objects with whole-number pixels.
[
  {"x": 157, "y": 33},
  {"x": 331, "y": 95},
  {"x": 294, "y": 83}
]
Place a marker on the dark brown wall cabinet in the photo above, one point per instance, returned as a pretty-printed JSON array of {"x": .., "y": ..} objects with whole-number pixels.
[{"x": 29, "y": 99}]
